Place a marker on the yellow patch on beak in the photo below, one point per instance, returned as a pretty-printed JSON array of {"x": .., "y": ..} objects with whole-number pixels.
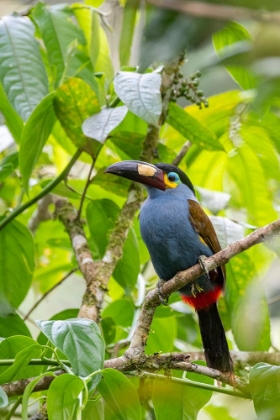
[
  {"x": 168, "y": 183},
  {"x": 146, "y": 170}
]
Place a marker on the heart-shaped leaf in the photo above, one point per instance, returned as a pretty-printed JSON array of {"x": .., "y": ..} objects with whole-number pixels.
[
  {"x": 99, "y": 125},
  {"x": 141, "y": 94},
  {"x": 80, "y": 341}
]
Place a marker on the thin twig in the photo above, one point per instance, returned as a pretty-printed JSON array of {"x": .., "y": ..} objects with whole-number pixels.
[
  {"x": 177, "y": 160},
  {"x": 48, "y": 292},
  {"x": 85, "y": 190},
  {"x": 48, "y": 188}
]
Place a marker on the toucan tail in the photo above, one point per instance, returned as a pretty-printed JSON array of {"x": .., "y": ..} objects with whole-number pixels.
[{"x": 214, "y": 339}]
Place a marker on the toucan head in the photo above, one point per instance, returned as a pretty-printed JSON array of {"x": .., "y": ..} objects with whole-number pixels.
[{"x": 161, "y": 176}]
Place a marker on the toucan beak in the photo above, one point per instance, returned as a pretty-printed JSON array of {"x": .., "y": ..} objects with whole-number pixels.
[{"x": 138, "y": 171}]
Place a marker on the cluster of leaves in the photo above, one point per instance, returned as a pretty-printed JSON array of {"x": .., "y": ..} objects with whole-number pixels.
[{"x": 56, "y": 77}]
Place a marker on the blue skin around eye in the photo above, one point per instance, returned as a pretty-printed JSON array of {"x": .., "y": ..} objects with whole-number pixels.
[{"x": 174, "y": 176}]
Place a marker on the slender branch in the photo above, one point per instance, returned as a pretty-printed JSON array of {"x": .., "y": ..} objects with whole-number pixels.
[
  {"x": 48, "y": 292},
  {"x": 216, "y": 11},
  {"x": 176, "y": 161},
  {"x": 48, "y": 188},
  {"x": 85, "y": 190},
  {"x": 41, "y": 213}
]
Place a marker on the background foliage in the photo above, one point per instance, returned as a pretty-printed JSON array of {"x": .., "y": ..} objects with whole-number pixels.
[{"x": 60, "y": 91}]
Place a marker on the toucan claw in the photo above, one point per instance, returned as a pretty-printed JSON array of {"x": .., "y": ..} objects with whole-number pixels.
[
  {"x": 201, "y": 260},
  {"x": 163, "y": 299}
]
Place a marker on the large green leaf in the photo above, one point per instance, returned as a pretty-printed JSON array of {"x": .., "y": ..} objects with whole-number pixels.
[
  {"x": 12, "y": 324},
  {"x": 22, "y": 72},
  {"x": 58, "y": 31},
  {"x": 62, "y": 399},
  {"x": 18, "y": 369},
  {"x": 162, "y": 335},
  {"x": 248, "y": 175},
  {"x": 101, "y": 217},
  {"x": 77, "y": 339},
  {"x": 173, "y": 400},
  {"x": 16, "y": 262},
  {"x": 128, "y": 267},
  {"x": 19, "y": 345},
  {"x": 8, "y": 165},
  {"x": 99, "y": 125},
  {"x": 120, "y": 395},
  {"x": 192, "y": 129},
  {"x": 141, "y": 94},
  {"x": 121, "y": 311},
  {"x": 227, "y": 42},
  {"x": 221, "y": 109},
  {"x": 34, "y": 136},
  {"x": 93, "y": 410},
  {"x": 74, "y": 102},
  {"x": 97, "y": 43},
  {"x": 12, "y": 119},
  {"x": 265, "y": 388},
  {"x": 128, "y": 26},
  {"x": 28, "y": 391}
]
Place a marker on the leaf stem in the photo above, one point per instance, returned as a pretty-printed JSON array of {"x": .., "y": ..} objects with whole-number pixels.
[
  {"x": 44, "y": 191},
  {"x": 36, "y": 362},
  {"x": 187, "y": 382}
]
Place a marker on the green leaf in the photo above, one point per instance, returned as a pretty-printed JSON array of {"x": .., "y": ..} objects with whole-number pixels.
[
  {"x": 22, "y": 72},
  {"x": 192, "y": 129},
  {"x": 93, "y": 410},
  {"x": 73, "y": 103},
  {"x": 128, "y": 26},
  {"x": 100, "y": 125},
  {"x": 251, "y": 328},
  {"x": 173, "y": 400},
  {"x": 264, "y": 382},
  {"x": 66, "y": 314},
  {"x": 4, "y": 400},
  {"x": 248, "y": 175},
  {"x": 218, "y": 116},
  {"x": 162, "y": 335},
  {"x": 12, "y": 119},
  {"x": 16, "y": 262},
  {"x": 34, "y": 136},
  {"x": 141, "y": 94},
  {"x": 8, "y": 165},
  {"x": 28, "y": 391},
  {"x": 228, "y": 42},
  {"x": 77, "y": 339},
  {"x": 128, "y": 267},
  {"x": 62, "y": 399},
  {"x": 101, "y": 217},
  {"x": 121, "y": 311},
  {"x": 18, "y": 370},
  {"x": 58, "y": 31},
  {"x": 120, "y": 395},
  {"x": 12, "y": 324}
]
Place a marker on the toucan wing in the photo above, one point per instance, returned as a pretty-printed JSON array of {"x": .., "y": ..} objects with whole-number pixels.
[{"x": 203, "y": 226}]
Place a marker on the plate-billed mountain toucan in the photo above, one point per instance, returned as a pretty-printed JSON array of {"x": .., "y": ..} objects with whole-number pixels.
[{"x": 177, "y": 232}]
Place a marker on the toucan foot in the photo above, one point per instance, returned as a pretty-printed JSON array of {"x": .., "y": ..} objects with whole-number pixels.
[
  {"x": 195, "y": 288},
  {"x": 202, "y": 264},
  {"x": 163, "y": 299}
]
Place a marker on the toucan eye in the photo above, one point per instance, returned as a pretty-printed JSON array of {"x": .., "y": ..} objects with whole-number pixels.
[{"x": 173, "y": 177}]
